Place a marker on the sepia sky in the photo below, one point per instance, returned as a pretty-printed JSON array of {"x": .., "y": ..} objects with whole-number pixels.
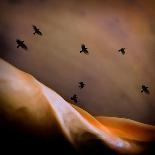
[{"x": 113, "y": 81}]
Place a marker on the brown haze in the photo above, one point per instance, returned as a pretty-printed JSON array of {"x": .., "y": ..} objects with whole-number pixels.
[{"x": 113, "y": 81}]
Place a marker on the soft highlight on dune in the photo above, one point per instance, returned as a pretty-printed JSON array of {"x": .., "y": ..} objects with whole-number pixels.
[{"x": 33, "y": 107}]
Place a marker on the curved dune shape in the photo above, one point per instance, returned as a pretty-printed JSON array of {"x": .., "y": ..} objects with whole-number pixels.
[
  {"x": 124, "y": 128},
  {"x": 29, "y": 108},
  {"x": 129, "y": 129}
]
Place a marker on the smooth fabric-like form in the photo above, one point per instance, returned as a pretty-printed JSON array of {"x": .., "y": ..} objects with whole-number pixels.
[{"x": 35, "y": 115}]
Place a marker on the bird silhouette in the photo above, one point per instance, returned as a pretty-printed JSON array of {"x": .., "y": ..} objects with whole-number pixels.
[
  {"x": 21, "y": 44},
  {"x": 122, "y": 50},
  {"x": 145, "y": 89},
  {"x": 81, "y": 85},
  {"x": 84, "y": 49},
  {"x": 74, "y": 98},
  {"x": 36, "y": 30}
]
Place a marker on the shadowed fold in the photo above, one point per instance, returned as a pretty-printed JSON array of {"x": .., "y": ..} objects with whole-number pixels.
[{"x": 39, "y": 115}]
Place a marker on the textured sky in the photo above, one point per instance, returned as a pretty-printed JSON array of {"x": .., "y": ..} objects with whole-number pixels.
[{"x": 113, "y": 81}]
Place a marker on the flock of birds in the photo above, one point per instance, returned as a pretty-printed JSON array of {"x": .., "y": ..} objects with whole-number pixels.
[{"x": 74, "y": 98}]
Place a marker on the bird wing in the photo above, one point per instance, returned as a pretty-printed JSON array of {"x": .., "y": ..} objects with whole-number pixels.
[
  {"x": 24, "y": 46},
  {"x": 86, "y": 52},
  {"x": 147, "y": 91},
  {"x": 82, "y": 46},
  {"x": 123, "y": 52},
  {"x": 40, "y": 33},
  {"x": 34, "y": 27},
  {"x": 17, "y": 40}
]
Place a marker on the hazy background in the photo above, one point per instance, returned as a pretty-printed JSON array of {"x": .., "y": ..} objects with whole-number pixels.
[{"x": 113, "y": 81}]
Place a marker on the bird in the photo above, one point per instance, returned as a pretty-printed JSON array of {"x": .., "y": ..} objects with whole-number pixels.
[
  {"x": 122, "y": 50},
  {"x": 145, "y": 89},
  {"x": 84, "y": 49},
  {"x": 74, "y": 98},
  {"x": 81, "y": 85},
  {"x": 21, "y": 44},
  {"x": 36, "y": 30}
]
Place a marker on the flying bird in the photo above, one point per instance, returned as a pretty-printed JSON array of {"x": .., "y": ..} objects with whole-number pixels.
[
  {"x": 81, "y": 85},
  {"x": 74, "y": 98},
  {"x": 84, "y": 49},
  {"x": 145, "y": 89},
  {"x": 21, "y": 44},
  {"x": 36, "y": 31},
  {"x": 122, "y": 50}
]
